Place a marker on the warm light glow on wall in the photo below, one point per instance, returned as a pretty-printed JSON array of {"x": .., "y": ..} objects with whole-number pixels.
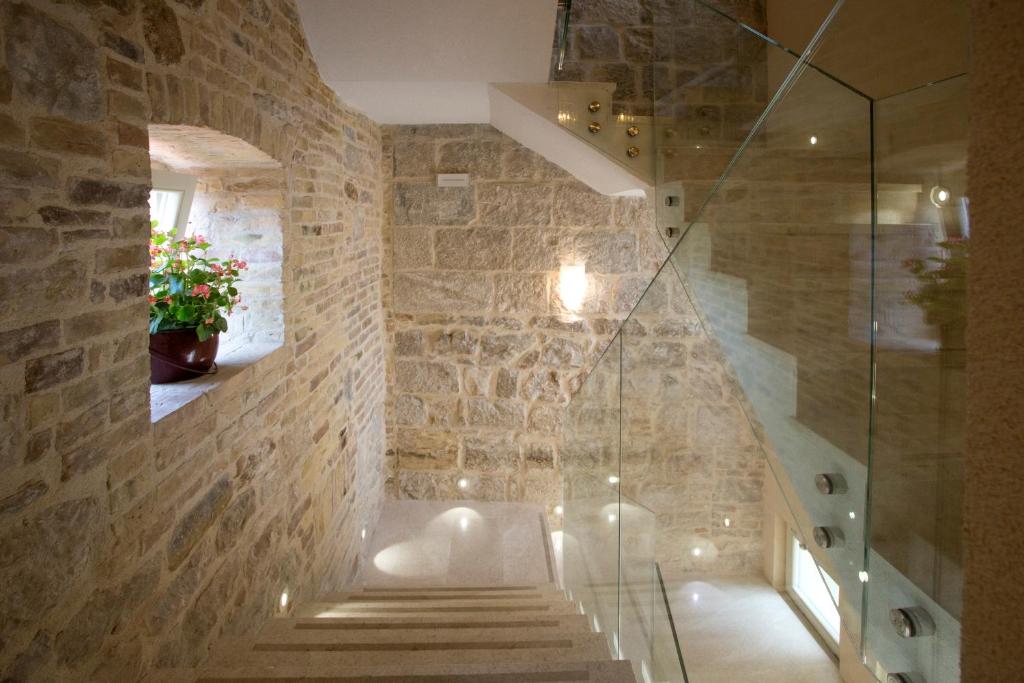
[{"x": 572, "y": 286}]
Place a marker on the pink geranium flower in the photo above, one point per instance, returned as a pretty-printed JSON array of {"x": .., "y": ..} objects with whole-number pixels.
[{"x": 201, "y": 290}]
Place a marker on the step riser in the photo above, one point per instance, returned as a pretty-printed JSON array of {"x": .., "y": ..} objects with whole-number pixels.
[
  {"x": 438, "y": 631},
  {"x": 454, "y": 589},
  {"x": 516, "y": 612},
  {"x": 553, "y": 677},
  {"x": 496, "y": 672},
  {"x": 305, "y": 645},
  {"x": 407, "y": 597},
  {"x": 413, "y": 659},
  {"x": 423, "y": 635}
]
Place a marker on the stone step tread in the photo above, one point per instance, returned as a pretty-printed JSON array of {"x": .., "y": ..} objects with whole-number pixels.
[
  {"x": 345, "y": 630},
  {"x": 241, "y": 650},
  {"x": 598, "y": 671},
  {"x": 451, "y": 589},
  {"x": 420, "y": 641},
  {"x": 388, "y": 596},
  {"x": 421, "y": 608},
  {"x": 450, "y": 619}
]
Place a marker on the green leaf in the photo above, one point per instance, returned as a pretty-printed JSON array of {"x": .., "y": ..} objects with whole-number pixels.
[
  {"x": 232, "y": 291},
  {"x": 202, "y": 332},
  {"x": 221, "y": 324}
]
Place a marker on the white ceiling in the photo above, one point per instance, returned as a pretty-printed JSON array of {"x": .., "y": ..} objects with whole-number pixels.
[{"x": 427, "y": 61}]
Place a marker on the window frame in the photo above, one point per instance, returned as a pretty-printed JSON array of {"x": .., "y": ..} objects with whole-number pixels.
[
  {"x": 170, "y": 181},
  {"x": 812, "y": 613}
]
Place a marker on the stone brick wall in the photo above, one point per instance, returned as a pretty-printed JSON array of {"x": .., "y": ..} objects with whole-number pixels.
[
  {"x": 485, "y": 357},
  {"x": 671, "y": 51},
  {"x": 126, "y": 544},
  {"x": 239, "y": 211},
  {"x": 660, "y": 411}
]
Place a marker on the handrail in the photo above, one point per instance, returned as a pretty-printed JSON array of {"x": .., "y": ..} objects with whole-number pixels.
[
  {"x": 671, "y": 622},
  {"x": 565, "y": 7}
]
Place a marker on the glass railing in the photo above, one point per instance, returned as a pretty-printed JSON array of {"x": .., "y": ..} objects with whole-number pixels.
[
  {"x": 587, "y": 111},
  {"x": 563, "y": 17},
  {"x": 608, "y": 539},
  {"x": 796, "y": 368}
]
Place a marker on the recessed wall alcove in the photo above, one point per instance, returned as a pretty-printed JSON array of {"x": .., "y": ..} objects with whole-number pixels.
[{"x": 238, "y": 206}]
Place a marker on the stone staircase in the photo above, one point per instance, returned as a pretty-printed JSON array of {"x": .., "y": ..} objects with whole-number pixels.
[{"x": 488, "y": 634}]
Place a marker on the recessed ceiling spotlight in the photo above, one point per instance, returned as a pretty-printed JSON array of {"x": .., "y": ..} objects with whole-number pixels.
[
  {"x": 613, "y": 480},
  {"x": 463, "y": 483},
  {"x": 814, "y": 139}
]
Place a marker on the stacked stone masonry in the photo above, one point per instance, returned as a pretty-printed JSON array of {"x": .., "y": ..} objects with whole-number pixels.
[
  {"x": 485, "y": 357},
  {"x": 129, "y": 544},
  {"x": 126, "y": 545},
  {"x": 666, "y": 57}
]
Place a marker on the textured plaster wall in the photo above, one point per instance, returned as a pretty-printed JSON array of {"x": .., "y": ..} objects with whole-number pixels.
[
  {"x": 125, "y": 544},
  {"x": 993, "y": 617}
]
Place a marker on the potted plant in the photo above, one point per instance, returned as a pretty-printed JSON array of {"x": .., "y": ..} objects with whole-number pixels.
[{"x": 189, "y": 296}]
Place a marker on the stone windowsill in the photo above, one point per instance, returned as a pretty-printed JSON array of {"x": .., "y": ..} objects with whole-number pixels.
[{"x": 165, "y": 399}]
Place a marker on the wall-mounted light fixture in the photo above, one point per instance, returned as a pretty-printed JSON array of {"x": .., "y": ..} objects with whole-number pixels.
[
  {"x": 572, "y": 286},
  {"x": 940, "y": 196}
]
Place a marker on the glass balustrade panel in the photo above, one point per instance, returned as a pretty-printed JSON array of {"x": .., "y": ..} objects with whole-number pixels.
[
  {"x": 921, "y": 254},
  {"x": 589, "y": 454},
  {"x": 778, "y": 266}
]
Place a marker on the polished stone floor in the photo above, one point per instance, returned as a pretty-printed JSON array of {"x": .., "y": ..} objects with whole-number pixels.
[
  {"x": 741, "y": 629},
  {"x": 464, "y": 543}
]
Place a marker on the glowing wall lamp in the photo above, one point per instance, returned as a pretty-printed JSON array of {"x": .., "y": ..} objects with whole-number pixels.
[
  {"x": 940, "y": 196},
  {"x": 572, "y": 286}
]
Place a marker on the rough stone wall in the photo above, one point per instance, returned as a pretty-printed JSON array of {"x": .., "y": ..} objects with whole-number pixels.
[
  {"x": 126, "y": 544},
  {"x": 485, "y": 357},
  {"x": 993, "y": 617},
  {"x": 651, "y": 49},
  {"x": 484, "y": 354},
  {"x": 239, "y": 211},
  {"x": 660, "y": 411},
  {"x": 688, "y": 452}
]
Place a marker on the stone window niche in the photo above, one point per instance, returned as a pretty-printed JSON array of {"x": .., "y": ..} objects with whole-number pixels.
[{"x": 238, "y": 205}]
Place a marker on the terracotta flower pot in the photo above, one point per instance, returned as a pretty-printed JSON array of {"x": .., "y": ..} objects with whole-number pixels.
[{"x": 177, "y": 355}]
